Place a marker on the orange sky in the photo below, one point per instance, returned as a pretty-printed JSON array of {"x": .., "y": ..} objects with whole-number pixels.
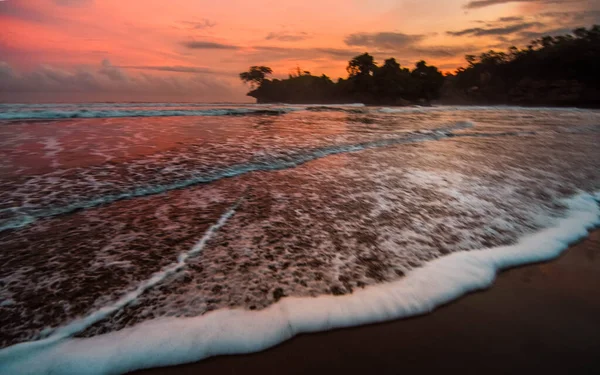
[{"x": 192, "y": 50}]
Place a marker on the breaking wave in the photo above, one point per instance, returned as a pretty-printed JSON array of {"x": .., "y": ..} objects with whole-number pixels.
[
  {"x": 111, "y": 113},
  {"x": 20, "y": 217},
  {"x": 170, "y": 341}
]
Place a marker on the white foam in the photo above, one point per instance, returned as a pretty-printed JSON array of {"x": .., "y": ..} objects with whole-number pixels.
[
  {"x": 61, "y": 113},
  {"x": 169, "y": 341},
  {"x": 81, "y": 324},
  {"x": 447, "y": 108},
  {"x": 350, "y": 105}
]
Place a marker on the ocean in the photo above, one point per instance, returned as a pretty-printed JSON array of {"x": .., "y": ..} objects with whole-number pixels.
[{"x": 136, "y": 235}]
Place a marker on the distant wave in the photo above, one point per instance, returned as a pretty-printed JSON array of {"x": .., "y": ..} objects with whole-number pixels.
[
  {"x": 87, "y": 113},
  {"x": 324, "y": 108},
  {"x": 447, "y": 108}
]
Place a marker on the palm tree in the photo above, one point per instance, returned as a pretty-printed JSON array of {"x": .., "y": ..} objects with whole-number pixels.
[{"x": 256, "y": 75}]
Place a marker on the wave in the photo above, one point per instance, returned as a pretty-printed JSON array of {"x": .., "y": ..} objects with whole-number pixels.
[
  {"x": 323, "y": 108},
  {"x": 87, "y": 113},
  {"x": 170, "y": 341},
  {"x": 444, "y": 108},
  {"x": 21, "y": 217}
]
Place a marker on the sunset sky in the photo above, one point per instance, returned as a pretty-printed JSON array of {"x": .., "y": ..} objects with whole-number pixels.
[{"x": 193, "y": 50}]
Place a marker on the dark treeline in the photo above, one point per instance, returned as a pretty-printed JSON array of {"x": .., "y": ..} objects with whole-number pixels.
[
  {"x": 366, "y": 83},
  {"x": 560, "y": 70}
]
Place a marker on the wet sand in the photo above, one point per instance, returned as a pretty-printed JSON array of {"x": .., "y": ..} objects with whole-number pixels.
[{"x": 543, "y": 318}]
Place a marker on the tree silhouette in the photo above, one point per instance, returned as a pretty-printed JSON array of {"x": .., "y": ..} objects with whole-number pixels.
[
  {"x": 429, "y": 81},
  {"x": 366, "y": 83},
  {"x": 551, "y": 70},
  {"x": 256, "y": 75},
  {"x": 361, "y": 65},
  {"x": 392, "y": 81}
]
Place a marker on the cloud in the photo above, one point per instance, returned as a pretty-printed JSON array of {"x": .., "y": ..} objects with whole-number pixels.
[
  {"x": 176, "y": 69},
  {"x": 24, "y": 12},
  {"x": 73, "y": 3},
  {"x": 486, "y": 3},
  {"x": 112, "y": 72},
  {"x": 530, "y": 35},
  {"x": 109, "y": 82},
  {"x": 199, "y": 25},
  {"x": 574, "y": 19},
  {"x": 505, "y": 30},
  {"x": 521, "y": 30},
  {"x": 382, "y": 40},
  {"x": 287, "y": 37},
  {"x": 303, "y": 53},
  {"x": 510, "y": 19},
  {"x": 404, "y": 46},
  {"x": 208, "y": 45}
]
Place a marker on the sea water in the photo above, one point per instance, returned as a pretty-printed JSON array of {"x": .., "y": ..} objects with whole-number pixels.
[{"x": 135, "y": 235}]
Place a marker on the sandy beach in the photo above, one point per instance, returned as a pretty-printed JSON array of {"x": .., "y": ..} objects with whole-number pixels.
[{"x": 542, "y": 318}]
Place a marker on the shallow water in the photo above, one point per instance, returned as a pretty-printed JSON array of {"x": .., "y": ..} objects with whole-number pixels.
[{"x": 317, "y": 201}]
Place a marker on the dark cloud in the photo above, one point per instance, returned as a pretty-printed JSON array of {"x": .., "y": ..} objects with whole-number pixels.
[
  {"x": 405, "y": 45},
  {"x": 199, "y": 25},
  {"x": 510, "y": 19},
  {"x": 506, "y": 30},
  {"x": 107, "y": 81},
  {"x": 111, "y": 71},
  {"x": 73, "y": 3},
  {"x": 530, "y": 35},
  {"x": 21, "y": 11},
  {"x": 304, "y": 53},
  {"x": 287, "y": 37},
  {"x": 485, "y": 3},
  {"x": 510, "y": 31},
  {"x": 383, "y": 40},
  {"x": 577, "y": 18},
  {"x": 208, "y": 45},
  {"x": 175, "y": 69}
]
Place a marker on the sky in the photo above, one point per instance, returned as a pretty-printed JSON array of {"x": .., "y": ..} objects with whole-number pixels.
[{"x": 194, "y": 50}]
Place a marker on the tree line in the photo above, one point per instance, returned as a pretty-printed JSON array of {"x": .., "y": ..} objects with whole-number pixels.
[
  {"x": 561, "y": 70},
  {"x": 557, "y": 71},
  {"x": 366, "y": 83}
]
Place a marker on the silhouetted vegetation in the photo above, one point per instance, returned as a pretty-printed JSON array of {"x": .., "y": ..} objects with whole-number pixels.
[
  {"x": 256, "y": 75},
  {"x": 556, "y": 71},
  {"x": 366, "y": 83},
  {"x": 561, "y": 70}
]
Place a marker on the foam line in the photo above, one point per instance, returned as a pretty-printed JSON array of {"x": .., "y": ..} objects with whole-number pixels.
[
  {"x": 445, "y": 108},
  {"x": 81, "y": 324},
  {"x": 85, "y": 113},
  {"x": 24, "y": 218},
  {"x": 170, "y": 341}
]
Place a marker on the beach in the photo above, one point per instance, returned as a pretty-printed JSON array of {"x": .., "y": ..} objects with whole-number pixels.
[{"x": 540, "y": 318}]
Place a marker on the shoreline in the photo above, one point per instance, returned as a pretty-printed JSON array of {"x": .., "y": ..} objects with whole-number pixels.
[{"x": 542, "y": 316}]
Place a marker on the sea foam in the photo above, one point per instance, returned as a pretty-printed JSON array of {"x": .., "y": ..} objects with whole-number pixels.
[
  {"x": 67, "y": 113},
  {"x": 170, "y": 341},
  {"x": 20, "y": 218}
]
